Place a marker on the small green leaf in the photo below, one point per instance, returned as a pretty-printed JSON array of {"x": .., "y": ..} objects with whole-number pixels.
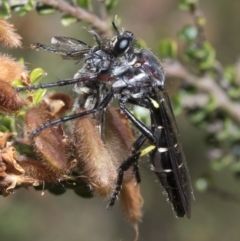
[
  {"x": 37, "y": 75},
  {"x": 7, "y": 123},
  {"x": 20, "y": 10},
  {"x": 188, "y": 34},
  {"x": 29, "y": 6},
  {"x": 110, "y": 4},
  {"x": 230, "y": 74},
  {"x": 186, "y": 4},
  {"x": 209, "y": 57},
  {"x": 177, "y": 104},
  {"x": 4, "y": 129},
  {"x": 68, "y": 20},
  {"x": 17, "y": 83},
  {"x": 218, "y": 165},
  {"x": 167, "y": 48},
  {"x": 38, "y": 95},
  {"x": 202, "y": 184},
  {"x": 84, "y": 3},
  {"x": 234, "y": 93},
  {"x": 197, "y": 117},
  {"x": 5, "y": 10},
  {"x": 211, "y": 105},
  {"x": 44, "y": 9},
  {"x": 140, "y": 44}
]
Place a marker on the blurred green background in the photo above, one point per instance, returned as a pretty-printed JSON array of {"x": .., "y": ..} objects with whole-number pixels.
[{"x": 27, "y": 215}]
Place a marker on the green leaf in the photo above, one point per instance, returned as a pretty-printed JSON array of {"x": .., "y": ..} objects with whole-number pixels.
[
  {"x": 110, "y": 4},
  {"x": 140, "y": 44},
  {"x": 230, "y": 74},
  {"x": 5, "y": 10},
  {"x": 44, "y": 9},
  {"x": 20, "y": 10},
  {"x": 186, "y": 4},
  {"x": 218, "y": 165},
  {"x": 208, "y": 57},
  {"x": 188, "y": 34},
  {"x": 84, "y": 3},
  {"x": 38, "y": 95},
  {"x": 7, "y": 123},
  {"x": 3, "y": 129},
  {"x": 202, "y": 184},
  {"x": 197, "y": 117},
  {"x": 68, "y": 20},
  {"x": 234, "y": 93},
  {"x": 177, "y": 104},
  {"x": 29, "y": 6},
  {"x": 17, "y": 83},
  {"x": 37, "y": 75},
  {"x": 167, "y": 48}
]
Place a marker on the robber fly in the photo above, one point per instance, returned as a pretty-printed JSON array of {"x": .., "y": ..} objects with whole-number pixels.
[{"x": 136, "y": 77}]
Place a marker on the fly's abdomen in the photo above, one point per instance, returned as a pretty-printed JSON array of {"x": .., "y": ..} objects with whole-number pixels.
[{"x": 162, "y": 167}]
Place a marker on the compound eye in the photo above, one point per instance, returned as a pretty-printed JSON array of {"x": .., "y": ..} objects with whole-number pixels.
[{"x": 121, "y": 46}]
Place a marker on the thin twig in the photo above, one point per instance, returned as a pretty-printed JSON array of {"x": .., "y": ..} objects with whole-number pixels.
[
  {"x": 81, "y": 14},
  {"x": 207, "y": 85}
]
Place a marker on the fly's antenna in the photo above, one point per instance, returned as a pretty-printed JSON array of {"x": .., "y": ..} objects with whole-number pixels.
[{"x": 114, "y": 23}]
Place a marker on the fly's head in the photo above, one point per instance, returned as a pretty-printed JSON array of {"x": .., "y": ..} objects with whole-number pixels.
[{"x": 122, "y": 43}]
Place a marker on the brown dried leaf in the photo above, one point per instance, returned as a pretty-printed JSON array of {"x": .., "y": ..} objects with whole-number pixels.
[
  {"x": 11, "y": 172},
  {"x": 9, "y": 157},
  {"x": 4, "y": 137},
  {"x": 57, "y": 104}
]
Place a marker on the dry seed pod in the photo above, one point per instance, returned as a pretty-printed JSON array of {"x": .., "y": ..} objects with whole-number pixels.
[
  {"x": 10, "y": 70},
  {"x": 119, "y": 138},
  {"x": 50, "y": 144},
  {"x": 131, "y": 203},
  {"x": 94, "y": 160},
  {"x": 10, "y": 101},
  {"x": 8, "y": 37},
  {"x": 99, "y": 162},
  {"x": 37, "y": 170}
]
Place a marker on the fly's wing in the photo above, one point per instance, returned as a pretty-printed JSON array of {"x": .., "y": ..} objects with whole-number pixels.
[
  {"x": 68, "y": 48},
  {"x": 168, "y": 159},
  {"x": 73, "y": 48}
]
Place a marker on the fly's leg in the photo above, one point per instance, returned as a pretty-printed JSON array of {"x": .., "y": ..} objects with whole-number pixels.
[{"x": 101, "y": 106}]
